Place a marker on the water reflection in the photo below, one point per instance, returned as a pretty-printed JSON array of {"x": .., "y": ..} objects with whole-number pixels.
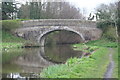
[
  {"x": 20, "y": 75},
  {"x": 32, "y": 61},
  {"x": 60, "y": 53}
]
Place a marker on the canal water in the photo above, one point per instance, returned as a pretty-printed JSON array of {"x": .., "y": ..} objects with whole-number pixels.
[{"x": 29, "y": 62}]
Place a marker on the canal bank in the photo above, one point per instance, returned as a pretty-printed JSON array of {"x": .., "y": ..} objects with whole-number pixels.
[
  {"x": 93, "y": 66},
  {"x": 10, "y": 41},
  {"x": 73, "y": 67}
]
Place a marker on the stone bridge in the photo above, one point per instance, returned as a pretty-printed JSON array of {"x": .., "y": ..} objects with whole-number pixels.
[{"x": 36, "y": 30}]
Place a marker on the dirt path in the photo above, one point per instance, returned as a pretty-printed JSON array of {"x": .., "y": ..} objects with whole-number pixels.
[{"x": 108, "y": 73}]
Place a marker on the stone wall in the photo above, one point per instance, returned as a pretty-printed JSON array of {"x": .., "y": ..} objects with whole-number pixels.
[{"x": 58, "y": 22}]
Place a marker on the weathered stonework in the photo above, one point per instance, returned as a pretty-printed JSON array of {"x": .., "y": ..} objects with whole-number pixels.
[{"x": 36, "y": 30}]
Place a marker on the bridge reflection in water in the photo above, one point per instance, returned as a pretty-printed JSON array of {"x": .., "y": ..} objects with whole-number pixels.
[{"x": 35, "y": 59}]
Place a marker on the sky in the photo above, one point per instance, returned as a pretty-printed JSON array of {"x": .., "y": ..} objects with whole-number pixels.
[{"x": 86, "y": 6}]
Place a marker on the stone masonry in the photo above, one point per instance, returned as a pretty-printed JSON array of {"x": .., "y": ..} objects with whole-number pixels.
[{"x": 36, "y": 30}]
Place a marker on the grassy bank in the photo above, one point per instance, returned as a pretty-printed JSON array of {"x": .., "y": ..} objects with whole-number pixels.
[
  {"x": 93, "y": 66},
  {"x": 103, "y": 43},
  {"x": 8, "y": 25},
  {"x": 10, "y": 41},
  {"x": 80, "y": 68},
  {"x": 10, "y": 45}
]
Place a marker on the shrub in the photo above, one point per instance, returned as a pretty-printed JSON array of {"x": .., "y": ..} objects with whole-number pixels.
[
  {"x": 103, "y": 25},
  {"x": 109, "y": 29}
]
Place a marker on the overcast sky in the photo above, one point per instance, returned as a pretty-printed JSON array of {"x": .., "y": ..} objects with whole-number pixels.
[
  {"x": 86, "y": 6},
  {"x": 89, "y": 5}
]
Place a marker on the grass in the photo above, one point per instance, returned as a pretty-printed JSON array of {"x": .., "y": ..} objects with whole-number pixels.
[
  {"x": 10, "y": 41},
  {"x": 93, "y": 66},
  {"x": 85, "y": 48},
  {"x": 119, "y": 61},
  {"x": 80, "y": 67},
  {"x": 11, "y": 45},
  {"x": 115, "y": 58},
  {"x": 8, "y": 37},
  {"x": 11, "y": 24},
  {"x": 103, "y": 43}
]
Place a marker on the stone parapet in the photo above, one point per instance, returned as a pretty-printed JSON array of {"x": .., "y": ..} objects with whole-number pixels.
[{"x": 59, "y": 22}]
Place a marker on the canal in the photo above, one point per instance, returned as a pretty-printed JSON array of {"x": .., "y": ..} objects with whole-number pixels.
[{"x": 29, "y": 62}]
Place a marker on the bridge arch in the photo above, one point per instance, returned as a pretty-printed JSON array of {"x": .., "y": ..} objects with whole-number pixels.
[{"x": 41, "y": 38}]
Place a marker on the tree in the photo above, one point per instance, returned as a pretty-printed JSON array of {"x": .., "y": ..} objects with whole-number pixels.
[
  {"x": 69, "y": 12},
  {"x": 24, "y": 12},
  {"x": 107, "y": 15},
  {"x": 118, "y": 21},
  {"x": 36, "y": 9},
  {"x": 50, "y": 10},
  {"x": 8, "y": 10},
  {"x": 107, "y": 12}
]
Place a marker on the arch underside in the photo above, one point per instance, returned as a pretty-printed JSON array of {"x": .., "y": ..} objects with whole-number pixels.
[{"x": 41, "y": 38}]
